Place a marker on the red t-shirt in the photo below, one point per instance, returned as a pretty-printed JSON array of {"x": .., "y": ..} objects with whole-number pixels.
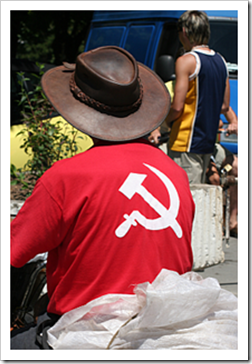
[{"x": 110, "y": 218}]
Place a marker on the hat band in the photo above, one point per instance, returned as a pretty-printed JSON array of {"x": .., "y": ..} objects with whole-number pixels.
[{"x": 103, "y": 107}]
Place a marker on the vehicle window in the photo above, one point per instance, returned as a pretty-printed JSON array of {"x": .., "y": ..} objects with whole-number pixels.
[
  {"x": 138, "y": 41},
  {"x": 223, "y": 39},
  {"x": 169, "y": 41},
  {"x": 111, "y": 35}
]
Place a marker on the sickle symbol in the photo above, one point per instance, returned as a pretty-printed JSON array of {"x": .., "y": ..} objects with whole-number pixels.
[{"x": 132, "y": 185}]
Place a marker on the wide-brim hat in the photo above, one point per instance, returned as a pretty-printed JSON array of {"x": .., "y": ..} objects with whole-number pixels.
[{"x": 108, "y": 95}]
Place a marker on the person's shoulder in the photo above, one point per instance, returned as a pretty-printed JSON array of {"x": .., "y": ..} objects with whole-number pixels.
[
  {"x": 63, "y": 166},
  {"x": 186, "y": 57},
  {"x": 186, "y": 63},
  {"x": 71, "y": 160}
]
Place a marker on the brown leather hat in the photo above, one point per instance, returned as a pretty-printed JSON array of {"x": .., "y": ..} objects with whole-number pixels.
[{"x": 108, "y": 95}]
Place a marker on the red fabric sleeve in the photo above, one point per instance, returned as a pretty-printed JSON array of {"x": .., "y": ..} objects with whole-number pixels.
[{"x": 36, "y": 228}]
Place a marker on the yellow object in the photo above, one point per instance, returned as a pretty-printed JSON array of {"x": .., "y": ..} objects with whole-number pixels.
[
  {"x": 19, "y": 157},
  {"x": 227, "y": 168},
  {"x": 170, "y": 86}
]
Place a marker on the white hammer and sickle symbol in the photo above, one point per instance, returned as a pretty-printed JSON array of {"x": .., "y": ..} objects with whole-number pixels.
[{"x": 132, "y": 185}]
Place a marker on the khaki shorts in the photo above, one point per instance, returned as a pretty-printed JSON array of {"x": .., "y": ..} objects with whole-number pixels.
[{"x": 194, "y": 164}]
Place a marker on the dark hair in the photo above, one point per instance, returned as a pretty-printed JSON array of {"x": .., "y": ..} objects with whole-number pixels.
[{"x": 196, "y": 25}]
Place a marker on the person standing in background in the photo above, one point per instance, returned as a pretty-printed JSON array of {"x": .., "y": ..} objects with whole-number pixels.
[
  {"x": 201, "y": 94},
  {"x": 219, "y": 159}
]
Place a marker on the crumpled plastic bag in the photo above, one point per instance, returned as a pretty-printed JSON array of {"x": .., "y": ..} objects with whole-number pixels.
[{"x": 175, "y": 312}]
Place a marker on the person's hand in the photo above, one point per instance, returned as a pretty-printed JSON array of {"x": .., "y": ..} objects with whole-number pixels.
[
  {"x": 154, "y": 136},
  {"x": 232, "y": 119},
  {"x": 232, "y": 129}
]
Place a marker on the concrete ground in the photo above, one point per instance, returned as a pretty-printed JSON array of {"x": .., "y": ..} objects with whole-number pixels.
[{"x": 226, "y": 272}]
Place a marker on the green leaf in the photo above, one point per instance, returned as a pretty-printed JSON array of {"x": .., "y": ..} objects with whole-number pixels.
[
  {"x": 23, "y": 98},
  {"x": 20, "y": 132}
]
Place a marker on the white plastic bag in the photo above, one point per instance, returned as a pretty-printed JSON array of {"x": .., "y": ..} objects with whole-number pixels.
[
  {"x": 175, "y": 312},
  {"x": 92, "y": 326}
]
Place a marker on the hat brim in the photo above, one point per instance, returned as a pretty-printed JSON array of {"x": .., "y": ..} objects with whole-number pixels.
[{"x": 151, "y": 113}]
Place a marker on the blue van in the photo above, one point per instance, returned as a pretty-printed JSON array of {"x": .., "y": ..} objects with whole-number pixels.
[{"x": 149, "y": 35}]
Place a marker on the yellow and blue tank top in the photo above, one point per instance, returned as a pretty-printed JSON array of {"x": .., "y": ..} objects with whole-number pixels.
[{"x": 195, "y": 130}]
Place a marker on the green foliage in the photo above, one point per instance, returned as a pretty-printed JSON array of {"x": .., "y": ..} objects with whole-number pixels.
[
  {"x": 49, "y": 36},
  {"x": 18, "y": 177},
  {"x": 45, "y": 141}
]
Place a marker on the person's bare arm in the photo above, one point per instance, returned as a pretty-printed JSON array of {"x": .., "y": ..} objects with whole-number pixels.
[
  {"x": 232, "y": 121},
  {"x": 226, "y": 100},
  {"x": 185, "y": 66}
]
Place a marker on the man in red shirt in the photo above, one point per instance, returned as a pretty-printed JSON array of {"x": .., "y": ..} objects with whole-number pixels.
[{"x": 117, "y": 214}]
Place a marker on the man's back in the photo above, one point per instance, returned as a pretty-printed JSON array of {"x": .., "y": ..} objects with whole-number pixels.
[
  {"x": 111, "y": 218},
  {"x": 195, "y": 130}
]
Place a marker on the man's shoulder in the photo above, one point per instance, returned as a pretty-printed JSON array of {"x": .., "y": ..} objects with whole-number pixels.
[
  {"x": 186, "y": 63},
  {"x": 63, "y": 166},
  {"x": 185, "y": 58}
]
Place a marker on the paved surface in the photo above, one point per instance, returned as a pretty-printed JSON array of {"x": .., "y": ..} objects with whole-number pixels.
[{"x": 226, "y": 272}]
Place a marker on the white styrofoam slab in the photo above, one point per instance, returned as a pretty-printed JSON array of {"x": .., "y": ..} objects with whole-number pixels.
[{"x": 207, "y": 227}]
